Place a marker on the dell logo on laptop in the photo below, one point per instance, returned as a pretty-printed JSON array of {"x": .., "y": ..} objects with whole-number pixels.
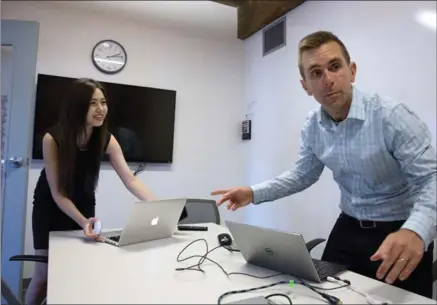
[
  {"x": 269, "y": 251},
  {"x": 154, "y": 221}
]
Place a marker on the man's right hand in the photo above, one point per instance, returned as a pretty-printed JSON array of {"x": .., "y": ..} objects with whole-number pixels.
[
  {"x": 88, "y": 230},
  {"x": 237, "y": 197}
]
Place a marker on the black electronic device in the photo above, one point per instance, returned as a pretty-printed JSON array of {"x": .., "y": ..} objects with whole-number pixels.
[
  {"x": 246, "y": 129},
  {"x": 140, "y": 118},
  {"x": 224, "y": 239},
  {"x": 192, "y": 228}
]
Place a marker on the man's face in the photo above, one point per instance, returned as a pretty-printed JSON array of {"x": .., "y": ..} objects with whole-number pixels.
[{"x": 328, "y": 77}]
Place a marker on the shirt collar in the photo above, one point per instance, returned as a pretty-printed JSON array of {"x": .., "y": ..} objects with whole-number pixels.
[{"x": 356, "y": 110}]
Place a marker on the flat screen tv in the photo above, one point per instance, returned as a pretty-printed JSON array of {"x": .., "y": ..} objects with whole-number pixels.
[{"x": 140, "y": 118}]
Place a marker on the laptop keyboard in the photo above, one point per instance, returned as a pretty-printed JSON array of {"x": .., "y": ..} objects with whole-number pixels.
[
  {"x": 115, "y": 238},
  {"x": 325, "y": 269}
]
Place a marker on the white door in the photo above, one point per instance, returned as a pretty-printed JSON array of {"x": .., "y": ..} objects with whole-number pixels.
[{"x": 18, "y": 76}]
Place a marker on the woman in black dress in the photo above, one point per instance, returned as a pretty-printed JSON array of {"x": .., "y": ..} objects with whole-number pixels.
[{"x": 64, "y": 197}]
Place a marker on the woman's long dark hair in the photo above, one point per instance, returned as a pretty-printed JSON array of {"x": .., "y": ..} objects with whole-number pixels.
[{"x": 71, "y": 127}]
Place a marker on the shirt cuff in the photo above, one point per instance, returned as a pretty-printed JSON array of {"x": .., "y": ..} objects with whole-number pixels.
[
  {"x": 260, "y": 193},
  {"x": 424, "y": 227}
]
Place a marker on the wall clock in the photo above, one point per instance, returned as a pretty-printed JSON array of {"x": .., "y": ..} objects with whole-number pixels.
[{"x": 109, "y": 56}]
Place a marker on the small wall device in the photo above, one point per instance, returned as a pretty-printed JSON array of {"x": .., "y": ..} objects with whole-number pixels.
[{"x": 246, "y": 129}]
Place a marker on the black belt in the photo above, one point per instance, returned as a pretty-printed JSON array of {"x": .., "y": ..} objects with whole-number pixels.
[{"x": 369, "y": 224}]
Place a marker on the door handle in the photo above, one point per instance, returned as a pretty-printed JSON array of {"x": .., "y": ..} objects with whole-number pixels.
[{"x": 15, "y": 162}]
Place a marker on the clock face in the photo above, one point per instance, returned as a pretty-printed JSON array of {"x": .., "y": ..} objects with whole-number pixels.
[{"x": 109, "y": 56}]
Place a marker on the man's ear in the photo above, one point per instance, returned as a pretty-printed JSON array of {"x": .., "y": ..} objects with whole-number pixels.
[
  {"x": 353, "y": 68},
  {"x": 304, "y": 86}
]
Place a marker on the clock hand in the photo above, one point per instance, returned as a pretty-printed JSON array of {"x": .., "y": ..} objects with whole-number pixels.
[{"x": 115, "y": 55}]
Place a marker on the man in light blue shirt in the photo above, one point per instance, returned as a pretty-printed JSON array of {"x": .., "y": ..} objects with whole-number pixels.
[{"x": 381, "y": 157}]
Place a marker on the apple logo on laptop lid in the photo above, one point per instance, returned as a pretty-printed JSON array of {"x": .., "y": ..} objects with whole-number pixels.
[{"x": 155, "y": 221}]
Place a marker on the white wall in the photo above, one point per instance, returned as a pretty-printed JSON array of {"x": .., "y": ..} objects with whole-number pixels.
[
  {"x": 208, "y": 75},
  {"x": 395, "y": 57}
]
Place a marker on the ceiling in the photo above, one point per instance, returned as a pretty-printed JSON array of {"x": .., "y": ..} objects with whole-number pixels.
[
  {"x": 207, "y": 18},
  {"x": 215, "y": 19}
]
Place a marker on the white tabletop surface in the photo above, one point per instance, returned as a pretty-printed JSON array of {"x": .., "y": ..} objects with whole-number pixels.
[{"x": 87, "y": 272}]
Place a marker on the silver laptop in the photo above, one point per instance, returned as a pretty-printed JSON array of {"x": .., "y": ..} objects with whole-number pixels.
[
  {"x": 279, "y": 251},
  {"x": 148, "y": 221}
]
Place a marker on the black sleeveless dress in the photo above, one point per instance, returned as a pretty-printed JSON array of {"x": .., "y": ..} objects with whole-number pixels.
[{"x": 47, "y": 216}]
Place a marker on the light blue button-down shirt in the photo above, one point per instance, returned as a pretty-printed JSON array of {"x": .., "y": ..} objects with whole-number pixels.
[{"x": 381, "y": 158}]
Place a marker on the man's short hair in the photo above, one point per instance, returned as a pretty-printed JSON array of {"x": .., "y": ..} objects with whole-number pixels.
[{"x": 316, "y": 40}]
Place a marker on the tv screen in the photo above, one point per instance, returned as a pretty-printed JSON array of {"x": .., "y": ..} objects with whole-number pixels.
[{"x": 140, "y": 118}]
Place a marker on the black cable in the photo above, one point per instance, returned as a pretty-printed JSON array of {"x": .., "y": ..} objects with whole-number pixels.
[
  {"x": 256, "y": 276},
  {"x": 201, "y": 260},
  {"x": 280, "y": 295},
  {"x": 331, "y": 299},
  {"x": 204, "y": 257},
  {"x": 139, "y": 169},
  {"x": 348, "y": 283},
  {"x": 327, "y": 289},
  {"x": 231, "y": 249},
  {"x": 250, "y": 289},
  {"x": 341, "y": 280}
]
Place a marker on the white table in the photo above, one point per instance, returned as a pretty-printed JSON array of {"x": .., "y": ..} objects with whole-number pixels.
[{"x": 87, "y": 272}]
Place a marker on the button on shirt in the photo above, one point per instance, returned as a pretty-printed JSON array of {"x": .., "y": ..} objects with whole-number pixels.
[{"x": 381, "y": 157}]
